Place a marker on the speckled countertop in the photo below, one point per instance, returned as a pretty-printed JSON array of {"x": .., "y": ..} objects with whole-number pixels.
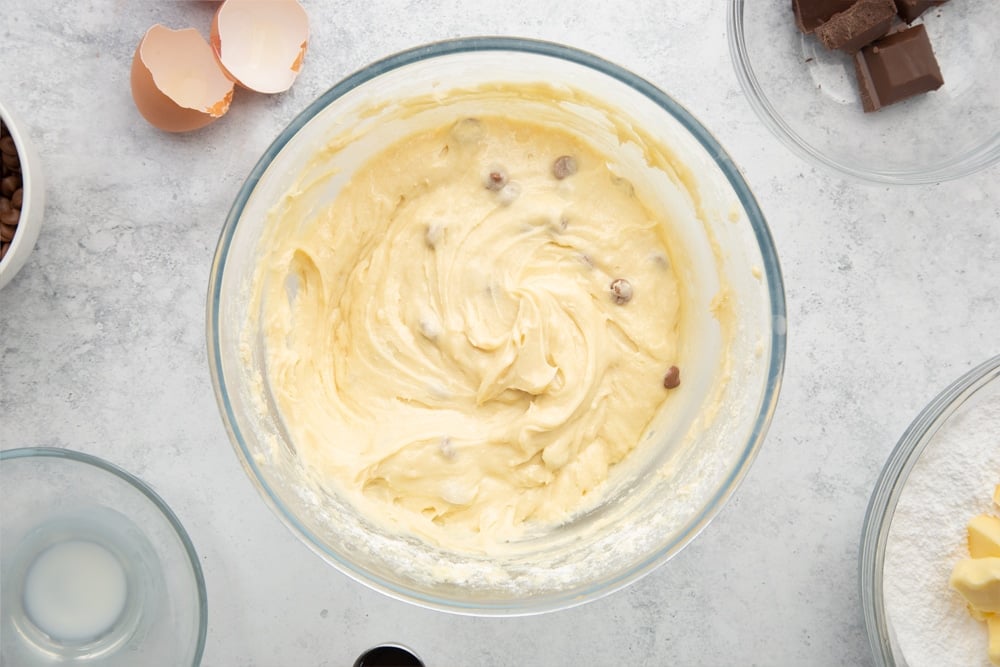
[{"x": 892, "y": 293}]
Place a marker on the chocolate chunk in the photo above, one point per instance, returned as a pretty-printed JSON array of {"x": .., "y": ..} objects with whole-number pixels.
[
  {"x": 811, "y": 14},
  {"x": 896, "y": 67},
  {"x": 909, "y": 10},
  {"x": 859, "y": 25}
]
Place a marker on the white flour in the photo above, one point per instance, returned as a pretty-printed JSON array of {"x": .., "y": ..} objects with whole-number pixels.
[{"x": 952, "y": 482}]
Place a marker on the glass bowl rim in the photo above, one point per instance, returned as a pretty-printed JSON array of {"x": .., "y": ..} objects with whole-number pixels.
[
  {"x": 765, "y": 244},
  {"x": 984, "y": 156},
  {"x": 28, "y": 453},
  {"x": 885, "y": 496}
]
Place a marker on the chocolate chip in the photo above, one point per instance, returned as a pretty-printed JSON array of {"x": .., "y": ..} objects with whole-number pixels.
[
  {"x": 3, "y": 249},
  {"x": 672, "y": 379},
  {"x": 564, "y": 166},
  {"x": 8, "y": 184},
  {"x": 7, "y": 232},
  {"x": 496, "y": 178},
  {"x": 17, "y": 199},
  {"x": 621, "y": 291},
  {"x": 7, "y": 146}
]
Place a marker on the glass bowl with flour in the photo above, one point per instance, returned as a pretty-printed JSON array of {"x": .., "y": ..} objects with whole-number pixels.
[
  {"x": 942, "y": 473},
  {"x": 496, "y": 326}
]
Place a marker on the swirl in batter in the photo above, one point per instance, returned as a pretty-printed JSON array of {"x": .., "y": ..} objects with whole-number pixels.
[{"x": 444, "y": 343}]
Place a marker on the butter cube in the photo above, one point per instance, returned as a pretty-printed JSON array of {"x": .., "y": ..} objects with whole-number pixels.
[
  {"x": 978, "y": 580},
  {"x": 984, "y": 536},
  {"x": 993, "y": 626}
]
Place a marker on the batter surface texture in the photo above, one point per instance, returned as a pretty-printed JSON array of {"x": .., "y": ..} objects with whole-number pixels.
[{"x": 444, "y": 342}]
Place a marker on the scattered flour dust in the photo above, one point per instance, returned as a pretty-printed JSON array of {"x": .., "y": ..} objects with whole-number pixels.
[{"x": 951, "y": 482}]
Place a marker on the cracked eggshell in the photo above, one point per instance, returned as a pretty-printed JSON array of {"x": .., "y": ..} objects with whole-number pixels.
[
  {"x": 261, "y": 43},
  {"x": 177, "y": 83}
]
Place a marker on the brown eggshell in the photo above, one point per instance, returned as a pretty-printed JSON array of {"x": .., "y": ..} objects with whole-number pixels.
[{"x": 161, "y": 57}]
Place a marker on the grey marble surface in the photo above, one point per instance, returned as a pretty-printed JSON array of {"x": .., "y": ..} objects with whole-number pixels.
[{"x": 892, "y": 293}]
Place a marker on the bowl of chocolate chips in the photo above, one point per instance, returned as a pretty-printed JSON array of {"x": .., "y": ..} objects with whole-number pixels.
[
  {"x": 889, "y": 91},
  {"x": 22, "y": 195}
]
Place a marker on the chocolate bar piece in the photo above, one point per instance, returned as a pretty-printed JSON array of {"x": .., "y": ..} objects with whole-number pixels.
[
  {"x": 896, "y": 67},
  {"x": 857, "y": 26},
  {"x": 811, "y": 14},
  {"x": 909, "y": 10}
]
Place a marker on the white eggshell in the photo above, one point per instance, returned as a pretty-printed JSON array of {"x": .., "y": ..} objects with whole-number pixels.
[{"x": 261, "y": 43}]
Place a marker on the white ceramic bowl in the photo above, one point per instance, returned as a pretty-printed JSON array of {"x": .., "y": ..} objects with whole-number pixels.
[
  {"x": 32, "y": 208},
  {"x": 699, "y": 447}
]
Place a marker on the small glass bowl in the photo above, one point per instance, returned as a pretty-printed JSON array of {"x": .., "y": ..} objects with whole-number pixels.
[
  {"x": 975, "y": 395},
  {"x": 808, "y": 97},
  {"x": 95, "y": 568}
]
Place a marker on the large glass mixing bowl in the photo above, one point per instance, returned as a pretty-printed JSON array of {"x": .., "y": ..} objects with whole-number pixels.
[{"x": 733, "y": 337}]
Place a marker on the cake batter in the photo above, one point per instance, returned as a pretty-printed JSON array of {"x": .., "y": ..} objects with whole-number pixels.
[{"x": 474, "y": 332}]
